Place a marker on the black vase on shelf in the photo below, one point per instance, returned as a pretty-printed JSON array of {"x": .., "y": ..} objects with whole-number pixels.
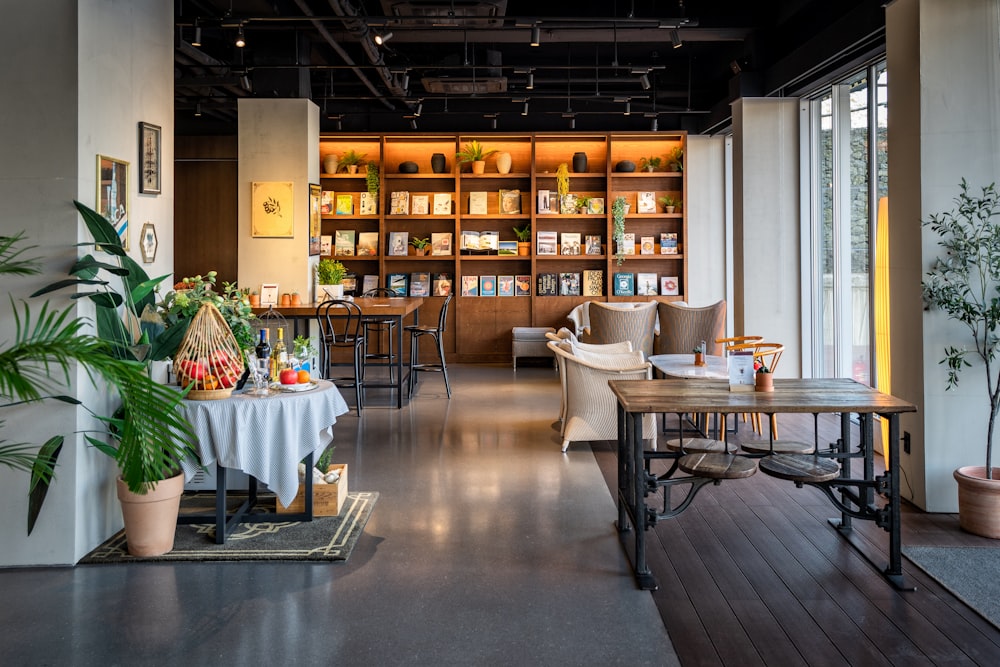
[
  {"x": 580, "y": 162},
  {"x": 438, "y": 163}
]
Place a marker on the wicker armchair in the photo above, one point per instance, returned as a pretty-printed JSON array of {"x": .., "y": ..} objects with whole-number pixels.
[
  {"x": 591, "y": 407},
  {"x": 682, "y": 328}
]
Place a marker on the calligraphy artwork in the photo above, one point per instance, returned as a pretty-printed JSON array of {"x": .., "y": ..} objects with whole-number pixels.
[{"x": 272, "y": 210}]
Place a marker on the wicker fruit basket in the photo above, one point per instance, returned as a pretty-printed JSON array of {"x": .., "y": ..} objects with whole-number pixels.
[{"x": 208, "y": 359}]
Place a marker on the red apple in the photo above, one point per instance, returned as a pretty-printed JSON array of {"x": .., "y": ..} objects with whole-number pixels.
[{"x": 289, "y": 376}]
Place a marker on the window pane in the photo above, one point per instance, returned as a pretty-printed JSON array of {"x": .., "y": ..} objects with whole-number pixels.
[
  {"x": 824, "y": 194},
  {"x": 860, "y": 231}
]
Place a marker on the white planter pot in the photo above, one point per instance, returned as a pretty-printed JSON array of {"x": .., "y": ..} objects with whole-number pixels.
[{"x": 324, "y": 292}]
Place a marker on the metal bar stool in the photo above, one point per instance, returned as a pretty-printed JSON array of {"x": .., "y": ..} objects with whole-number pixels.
[
  {"x": 340, "y": 328},
  {"x": 375, "y": 328},
  {"x": 437, "y": 333}
]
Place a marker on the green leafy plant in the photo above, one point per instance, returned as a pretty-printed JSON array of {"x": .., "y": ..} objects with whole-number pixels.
[
  {"x": 583, "y": 203},
  {"x": 330, "y": 272},
  {"x": 668, "y": 200},
  {"x": 351, "y": 158},
  {"x": 618, "y": 231},
  {"x": 371, "y": 178},
  {"x": 420, "y": 243},
  {"x": 473, "y": 152},
  {"x": 964, "y": 282},
  {"x": 676, "y": 159},
  {"x": 651, "y": 163},
  {"x": 523, "y": 233},
  {"x": 180, "y": 306},
  {"x": 303, "y": 347}
]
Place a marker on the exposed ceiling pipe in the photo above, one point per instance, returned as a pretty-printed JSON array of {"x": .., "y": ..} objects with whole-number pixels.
[{"x": 342, "y": 53}]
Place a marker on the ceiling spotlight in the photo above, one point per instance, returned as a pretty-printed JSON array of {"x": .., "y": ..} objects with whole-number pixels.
[
  {"x": 654, "y": 125},
  {"x": 644, "y": 81},
  {"x": 536, "y": 35},
  {"x": 675, "y": 38},
  {"x": 245, "y": 82},
  {"x": 197, "y": 110},
  {"x": 419, "y": 110},
  {"x": 524, "y": 112},
  {"x": 338, "y": 123},
  {"x": 197, "y": 35},
  {"x": 572, "y": 122},
  {"x": 382, "y": 38},
  {"x": 413, "y": 123},
  {"x": 628, "y": 107},
  {"x": 240, "y": 41},
  {"x": 531, "y": 82},
  {"x": 493, "y": 122},
  {"x": 404, "y": 82}
]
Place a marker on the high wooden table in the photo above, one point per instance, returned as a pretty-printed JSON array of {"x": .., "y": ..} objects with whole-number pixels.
[
  {"x": 375, "y": 308},
  {"x": 853, "y": 496}
]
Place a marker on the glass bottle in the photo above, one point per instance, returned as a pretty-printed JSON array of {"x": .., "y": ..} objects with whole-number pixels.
[
  {"x": 279, "y": 356},
  {"x": 263, "y": 351}
]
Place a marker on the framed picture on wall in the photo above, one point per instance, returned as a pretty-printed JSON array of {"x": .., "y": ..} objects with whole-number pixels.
[
  {"x": 315, "y": 219},
  {"x": 112, "y": 194},
  {"x": 148, "y": 243},
  {"x": 149, "y": 158},
  {"x": 272, "y": 209}
]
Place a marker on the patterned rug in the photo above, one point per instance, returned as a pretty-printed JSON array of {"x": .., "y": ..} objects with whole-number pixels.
[{"x": 322, "y": 539}]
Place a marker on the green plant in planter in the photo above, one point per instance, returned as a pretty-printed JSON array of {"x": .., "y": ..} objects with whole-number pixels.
[
  {"x": 371, "y": 178},
  {"x": 330, "y": 272},
  {"x": 618, "y": 231},
  {"x": 523, "y": 233},
  {"x": 351, "y": 158},
  {"x": 676, "y": 159},
  {"x": 964, "y": 282},
  {"x": 473, "y": 152},
  {"x": 668, "y": 200},
  {"x": 583, "y": 203},
  {"x": 420, "y": 243},
  {"x": 651, "y": 163}
]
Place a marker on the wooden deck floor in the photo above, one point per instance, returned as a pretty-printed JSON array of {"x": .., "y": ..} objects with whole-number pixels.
[{"x": 753, "y": 574}]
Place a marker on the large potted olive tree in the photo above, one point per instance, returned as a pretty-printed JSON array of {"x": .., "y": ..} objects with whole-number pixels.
[{"x": 964, "y": 282}]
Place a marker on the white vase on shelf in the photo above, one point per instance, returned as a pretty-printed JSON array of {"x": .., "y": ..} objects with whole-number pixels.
[{"x": 503, "y": 162}]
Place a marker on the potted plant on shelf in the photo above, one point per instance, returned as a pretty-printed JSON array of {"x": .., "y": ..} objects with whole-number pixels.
[
  {"x": 475, "y": 153},
  {"x": 420, "y": 245},
  {"x": 618, "y": 209},
  {"x": 669, "y": 203},
  {"x": 352, "y": 160},
  {"x": 371, "y": 178},
  {"x": 651, "y": 163},
  {"x": 330, "y": 279},
  {"x": 675, "y": 161},
  {"x": 583, "y": 203},
  {"x": 963, "y": 283},
  {"x": 523, "y": 239}
]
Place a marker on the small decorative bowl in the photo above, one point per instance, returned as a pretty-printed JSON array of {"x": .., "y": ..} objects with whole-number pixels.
[
  {"x": 625, "y": 166},
  {"x": 408, "y": 167}
]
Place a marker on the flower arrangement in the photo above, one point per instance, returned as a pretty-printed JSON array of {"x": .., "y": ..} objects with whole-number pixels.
[{"x": 180, "y": 305}]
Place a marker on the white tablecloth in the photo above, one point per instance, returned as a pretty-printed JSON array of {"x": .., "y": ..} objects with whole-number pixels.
[
  {"x": 682, "y": 366},
  {"x": 264, "y": 437}
]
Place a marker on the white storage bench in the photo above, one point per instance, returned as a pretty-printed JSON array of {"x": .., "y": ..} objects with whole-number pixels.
[{"x": 531, "y": 342}]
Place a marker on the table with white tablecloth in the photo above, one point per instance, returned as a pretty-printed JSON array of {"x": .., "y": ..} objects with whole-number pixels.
[{"x": 265, "y": 437}]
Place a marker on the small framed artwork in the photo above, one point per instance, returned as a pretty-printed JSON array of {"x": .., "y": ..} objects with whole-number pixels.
[
  {"x": 272, "y": 209},
  {"x": 149, "y": 158},
  {"x": 112, "y": 194},
  {"x": 148, "y": 243},
  {"x": 269, "y": 294},
  {"x": 315, "y": 219}
]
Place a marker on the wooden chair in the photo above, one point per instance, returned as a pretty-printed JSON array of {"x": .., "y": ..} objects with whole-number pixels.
[{"x": 766, "y": 354}]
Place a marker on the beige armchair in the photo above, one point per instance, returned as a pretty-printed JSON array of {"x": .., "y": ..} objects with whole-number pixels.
[
  {"x": 682, "y": 328},
  {"x": 613, "y": 324},
  {"x": 591, "y": 407}
]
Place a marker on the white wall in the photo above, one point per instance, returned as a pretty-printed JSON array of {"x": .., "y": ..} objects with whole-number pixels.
[
  {"x": 278, "y": 141},
  {"x": 123, "y": 51},
  {"x": 705, "y": 200}
]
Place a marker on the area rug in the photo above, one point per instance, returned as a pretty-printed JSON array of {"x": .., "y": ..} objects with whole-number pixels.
[
  {"x": 322, "y": 539},
  {"x": 972, "y": 574}
]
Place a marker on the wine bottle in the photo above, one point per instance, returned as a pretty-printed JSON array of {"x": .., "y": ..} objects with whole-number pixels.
[
  {"x": 263, "y": 347},
  {"x": 279, "y": 356}
]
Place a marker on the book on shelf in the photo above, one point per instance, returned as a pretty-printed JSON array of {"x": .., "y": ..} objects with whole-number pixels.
[
  {"x": 596, "y": 205},
  {"x": 350, "y": 283},
  {"x": 645, "y": 284},
  {"x": 325, "y": 245},
  {"x": 420, "y": 204},
  {"x": 397, "y": 243},
  {"x": 369, "y": 204},
  {"x": 477, "y": 203},
  {"x": 569, "y": 284},
  {"x": 469, "y": 240},
  {"x": 505, "y": 285},
  {"x": 326, "y": 199},
  {"x": 470, "y": 285},
  {"x": 547, "y": 243},
  {"x": 420, "y": 284},
  {"x": 567, "y": 203},
  {"x": 442, "y": 284},
  {"x": 593, "y": 244},
  {"x": 345, "y": 204},
  {"x": 343, "y": 242},
  {"x": 507, "y": 248},
  {"x": 397, "y": 282},
  {"x": 646, "y": 202},
  {"x": 624, "y": 284},
  {"x": 367, "y": 244},
  {"x": 442, "y": 203},
  {"x": 646, "y": 246},
  {"x": 489, "y": 240},
  {"x": 668, "y": 243},
  {"x": 399, "y": 203},
  {"x": 669, "y": 286},
  {"x": 569, "y": 243},
  {"x": 440, "y": 243},
  {"x": 369, "y": 282},
  {"x": 543, "y": 205},
  {"x": 510, "y": 201},
  {"x": 593, "y": 282},
  {"x": 628, "y": 244},
  {"x": 522, "y": 285},
  {"x": 487, "y": 285},
  {"x": 548, "y": 284}
]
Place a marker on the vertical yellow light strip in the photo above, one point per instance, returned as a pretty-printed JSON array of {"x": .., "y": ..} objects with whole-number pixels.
[{"x": 883, "y": 374}]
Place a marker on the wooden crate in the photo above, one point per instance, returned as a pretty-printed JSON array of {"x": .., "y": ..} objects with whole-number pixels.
[{"x": 328, "y": 499}]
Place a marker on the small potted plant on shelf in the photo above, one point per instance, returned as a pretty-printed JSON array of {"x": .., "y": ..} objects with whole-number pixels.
[
  {"x": 651, "y": 163},
  {"x": 669, "y": 203},
  {"x": 523, "y": 239},
  {"x": 583, "y": 203},
  {"x": 475, "y": 153},
  {"x": 352, "y": 160},
  {"x": 675, "y": 161},
  {"x": 330, "y": 279},
  {"x": 420, "y": 245}
]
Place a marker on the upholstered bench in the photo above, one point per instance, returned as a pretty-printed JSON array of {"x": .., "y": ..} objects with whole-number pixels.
[{"x": 530, "y": 342}]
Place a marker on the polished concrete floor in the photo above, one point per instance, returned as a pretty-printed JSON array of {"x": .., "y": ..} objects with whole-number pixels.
[{"x": 487, "y": 547}]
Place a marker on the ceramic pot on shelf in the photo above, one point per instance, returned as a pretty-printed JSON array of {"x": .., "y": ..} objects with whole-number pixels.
[
  {"x": 479, "y": 167},
  {"x": 439, "y": 164},
  {"x": 503, "y": 162},
  {"x": 330, "y": 164},
  {"x": 580, "y": 162}
]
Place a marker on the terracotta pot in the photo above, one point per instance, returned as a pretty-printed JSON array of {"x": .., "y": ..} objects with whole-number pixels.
[
  {"x": 296, "y": 300},
  {"x": 255, "y": 300},
  {"x": 151, "y": 518},
  {"x": 524, "y": 248},
  {"x": 978, "y": 501},
  {"x": 420, "y": 252},
  {"x": 286, "y": 299},
  {"x": 503, "y": 162},
  {"x": 699, "y": 359},
  {"x": 764, "y": 382},
  {"x": 479, "y": 167}
]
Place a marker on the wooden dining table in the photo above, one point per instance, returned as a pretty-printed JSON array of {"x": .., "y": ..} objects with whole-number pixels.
[{"x": 396, "y": 308}]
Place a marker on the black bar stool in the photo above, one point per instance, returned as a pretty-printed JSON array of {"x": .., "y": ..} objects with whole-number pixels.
[
  {"x": 437, "y": 333},
  {"x": 340, "y": 328},
  {"x": 375, "y": 328}
]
